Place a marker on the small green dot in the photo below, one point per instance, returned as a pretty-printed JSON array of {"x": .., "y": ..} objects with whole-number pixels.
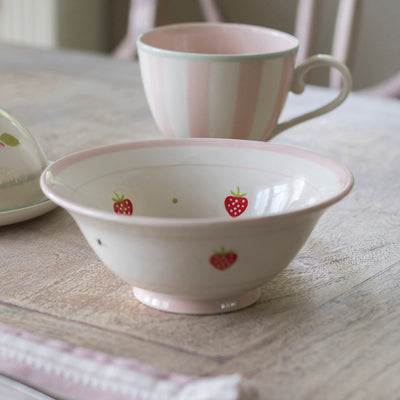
[{"x": 174, "y": 200}]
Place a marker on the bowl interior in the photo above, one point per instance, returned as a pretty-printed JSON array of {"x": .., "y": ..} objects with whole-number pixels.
[{"x": 195, "y": 178}]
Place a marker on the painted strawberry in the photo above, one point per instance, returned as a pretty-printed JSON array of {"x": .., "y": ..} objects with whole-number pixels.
[
  {"x": 122, "y": 205},
  {"x": 236, "y": 204},
  {"x": 223, "y": 259}
]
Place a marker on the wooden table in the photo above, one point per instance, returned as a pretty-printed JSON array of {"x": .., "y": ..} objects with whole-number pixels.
[{"x": 328, "y": 327}]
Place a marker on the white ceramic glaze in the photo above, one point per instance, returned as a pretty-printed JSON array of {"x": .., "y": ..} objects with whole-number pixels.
[
  {"x": 196, "y": 225},
  {"x": 21, "y": 163},
  {"x": 26, "y": 213},
  {"x": 225, "y": 80}
]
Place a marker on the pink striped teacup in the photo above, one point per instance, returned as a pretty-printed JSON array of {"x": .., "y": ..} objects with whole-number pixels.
[{"x": 225, "y": 80}]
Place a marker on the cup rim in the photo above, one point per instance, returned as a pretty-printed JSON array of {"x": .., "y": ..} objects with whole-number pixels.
[{"x": 215, "y": 57}]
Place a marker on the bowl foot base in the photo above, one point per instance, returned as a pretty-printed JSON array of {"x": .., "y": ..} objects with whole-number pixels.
[{"x": 181, "y": 305}]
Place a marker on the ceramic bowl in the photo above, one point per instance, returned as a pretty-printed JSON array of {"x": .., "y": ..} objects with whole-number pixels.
[
  {"x": 196, "y": 225},
  {"x": 21, "y": 163}
]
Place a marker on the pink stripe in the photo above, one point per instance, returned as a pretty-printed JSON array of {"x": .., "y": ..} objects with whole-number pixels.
[
  {"x": 155, "y": 65},
  {"x": 198, "y": 89},
  {"x": 284, "y": 86},
  {"x": 247, "y": 97}
]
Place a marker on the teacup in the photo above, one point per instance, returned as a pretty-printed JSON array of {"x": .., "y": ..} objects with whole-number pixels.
[{"x": 226, "y": 80}]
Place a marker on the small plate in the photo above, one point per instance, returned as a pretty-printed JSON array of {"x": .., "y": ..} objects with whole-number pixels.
[{"x": 27, "y": 212}]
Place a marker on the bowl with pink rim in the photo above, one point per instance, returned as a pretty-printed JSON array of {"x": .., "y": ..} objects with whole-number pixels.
[{"x": 196, "y": 225}]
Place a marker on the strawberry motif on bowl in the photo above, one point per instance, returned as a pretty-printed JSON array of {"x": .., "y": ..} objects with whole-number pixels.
[
  {"x": 236, "y": 204},
  {"x": 223, "y": 259},
  {"x": 122, "y": 205}
]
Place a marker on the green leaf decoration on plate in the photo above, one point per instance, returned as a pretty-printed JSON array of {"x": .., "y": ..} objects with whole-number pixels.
[{"x": 9, "y": 140}]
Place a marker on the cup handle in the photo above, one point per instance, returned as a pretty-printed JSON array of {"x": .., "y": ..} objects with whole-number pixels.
[{"x": 298, "y": 86}]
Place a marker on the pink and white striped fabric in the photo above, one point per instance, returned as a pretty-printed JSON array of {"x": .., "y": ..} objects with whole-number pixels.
[
  {"x": 69, "y": 372},
  {"x": 224, "y": 95}
]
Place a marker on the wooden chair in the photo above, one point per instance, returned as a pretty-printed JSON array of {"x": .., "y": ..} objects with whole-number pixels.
[
  {"x": 142, "y": 17},
  {"x": 344, "y": 40}
]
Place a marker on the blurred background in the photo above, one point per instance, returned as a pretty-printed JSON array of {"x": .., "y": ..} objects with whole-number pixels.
[{"x": 100, "y": 25}]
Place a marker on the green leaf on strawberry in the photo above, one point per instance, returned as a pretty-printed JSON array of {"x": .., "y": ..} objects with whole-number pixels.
[{"x": 9, "y": 140}]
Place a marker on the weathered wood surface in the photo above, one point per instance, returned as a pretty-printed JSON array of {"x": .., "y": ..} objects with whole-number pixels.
[{"x": 328, "y": 327}]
